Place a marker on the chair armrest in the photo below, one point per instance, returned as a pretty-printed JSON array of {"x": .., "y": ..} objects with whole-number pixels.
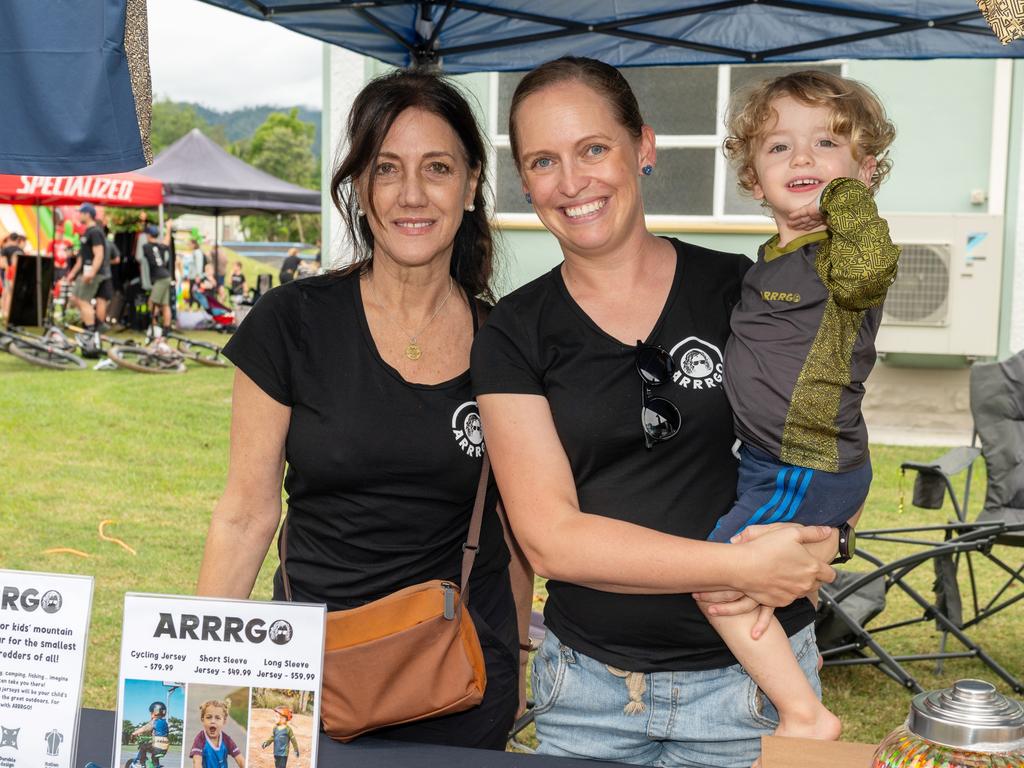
[{"x": 953, "y": 462}]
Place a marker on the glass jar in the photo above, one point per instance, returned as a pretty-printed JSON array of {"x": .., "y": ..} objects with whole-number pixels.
[{"x": 969, "y": 725}]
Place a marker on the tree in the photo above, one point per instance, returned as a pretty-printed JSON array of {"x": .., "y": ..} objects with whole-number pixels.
[
  {"x": 172, "y": 120},
  {"x": 283, "y": 147}
]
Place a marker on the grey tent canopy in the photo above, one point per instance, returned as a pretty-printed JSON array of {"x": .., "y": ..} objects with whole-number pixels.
[{"x": 199, "y": 176}]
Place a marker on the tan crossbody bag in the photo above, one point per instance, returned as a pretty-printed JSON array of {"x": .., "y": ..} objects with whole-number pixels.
[{"x": 409, "y": 656}]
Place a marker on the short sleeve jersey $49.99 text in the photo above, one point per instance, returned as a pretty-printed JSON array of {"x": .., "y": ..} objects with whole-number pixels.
[{"x": 538, "y": 341}]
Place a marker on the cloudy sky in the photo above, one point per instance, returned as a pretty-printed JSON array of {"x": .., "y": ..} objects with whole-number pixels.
[{"x": 224, "y": 60}]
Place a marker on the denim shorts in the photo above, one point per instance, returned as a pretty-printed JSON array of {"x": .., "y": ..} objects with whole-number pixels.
[{"x": 713, "y": 717}]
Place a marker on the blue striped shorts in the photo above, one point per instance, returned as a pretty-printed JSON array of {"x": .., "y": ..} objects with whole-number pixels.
[{"x": 769, "y": 491}]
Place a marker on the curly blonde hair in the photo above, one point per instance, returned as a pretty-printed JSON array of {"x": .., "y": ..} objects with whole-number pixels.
[
  {"x": 856, "y": 113},
  {"x": 224, "y": 704}
]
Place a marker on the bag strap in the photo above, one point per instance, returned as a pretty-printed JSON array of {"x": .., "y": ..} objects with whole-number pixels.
[
  {"x": 472, "y": 545},
  {"x": 282, "y": 553},
  {"x": 469, "y": 549}
]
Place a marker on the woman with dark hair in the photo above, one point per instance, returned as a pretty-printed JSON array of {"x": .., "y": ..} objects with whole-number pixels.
[
  {"x": 359, "y": 380},
  {"x": 611, "y": 495}
]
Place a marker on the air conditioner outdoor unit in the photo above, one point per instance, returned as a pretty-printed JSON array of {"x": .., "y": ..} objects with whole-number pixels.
[{"x": 946, "y": 297}]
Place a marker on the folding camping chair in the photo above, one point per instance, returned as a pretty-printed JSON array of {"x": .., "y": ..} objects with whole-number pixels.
[{"x": 997, "y": 405}]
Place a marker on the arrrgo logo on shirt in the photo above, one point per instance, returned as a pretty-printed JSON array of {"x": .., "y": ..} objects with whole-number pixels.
[
  {"x": 698, "y": 364},
  {"x": 467, "y": 429}
]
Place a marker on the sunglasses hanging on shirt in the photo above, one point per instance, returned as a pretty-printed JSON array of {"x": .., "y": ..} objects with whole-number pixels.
[{"x": 660, "y": 418}]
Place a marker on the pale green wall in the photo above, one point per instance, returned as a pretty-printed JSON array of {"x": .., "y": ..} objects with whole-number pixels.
[
  {"x": 528, "y": 254},
  {"x": 943, "y": 115}
]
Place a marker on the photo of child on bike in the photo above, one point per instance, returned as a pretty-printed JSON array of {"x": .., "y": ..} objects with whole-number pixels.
[
  {"x": 281, "y": 724},
  {"x": 217, "y": 726},
  {"x": 151, "y": 732}
]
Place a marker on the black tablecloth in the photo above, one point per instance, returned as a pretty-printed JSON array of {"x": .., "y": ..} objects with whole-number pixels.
[{"x": 96, "y": 734}]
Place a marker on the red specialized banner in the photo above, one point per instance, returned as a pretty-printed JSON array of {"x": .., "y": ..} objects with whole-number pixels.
[{"x": 124, "y": 189}]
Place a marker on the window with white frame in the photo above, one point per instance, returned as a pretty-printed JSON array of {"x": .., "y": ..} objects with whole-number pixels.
[{"x": 686, "y": 106}]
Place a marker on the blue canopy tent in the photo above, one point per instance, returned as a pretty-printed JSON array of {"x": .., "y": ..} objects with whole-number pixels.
[
  {"x": 80, "y": 75},
  {"x": 488, "y": 35}
]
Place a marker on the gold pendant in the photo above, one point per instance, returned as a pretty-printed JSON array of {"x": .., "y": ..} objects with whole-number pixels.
[{"x": 413, "y": 351}]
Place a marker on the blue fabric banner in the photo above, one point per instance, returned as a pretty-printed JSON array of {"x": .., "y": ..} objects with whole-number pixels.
[{"x": 66, "y": 88}]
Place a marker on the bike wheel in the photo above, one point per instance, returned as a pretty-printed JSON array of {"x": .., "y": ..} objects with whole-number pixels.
[
  {"x": 45, "y": 355},
  {"x": 144, "y": 361},
  {"x": 203, "y": 352}
]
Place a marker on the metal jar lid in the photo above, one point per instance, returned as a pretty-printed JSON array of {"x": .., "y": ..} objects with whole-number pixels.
[{"x": 971, "y": 715}]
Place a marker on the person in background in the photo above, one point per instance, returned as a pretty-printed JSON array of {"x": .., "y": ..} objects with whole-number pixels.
[
  {"x": 220, "y": 258},
  {"x": 289, "y": 267},
  {"x": 237, "y": 286},
  {"x": 105, "y": 291},
  {"x": 85, "y": 276},
  {"x": 208, "y": 282},
  {"x": 59, "y": 249},
  {"x": 194, "y": 265},
  {"x": 157, "y": 256},
  {"x": 13, "y": 246}
]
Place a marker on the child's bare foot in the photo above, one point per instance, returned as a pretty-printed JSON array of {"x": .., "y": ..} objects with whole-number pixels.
[
  {"x": 817, "y": 724},
  {"x": 820, "y": 724}
]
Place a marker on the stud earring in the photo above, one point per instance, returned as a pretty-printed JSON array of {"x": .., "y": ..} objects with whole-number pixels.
[
  {"x": 470, "y": 208},
  {"x": 360, "y": 212},
  {"x": 529, "y": 199},
  {"x": 647, "y": 170}
]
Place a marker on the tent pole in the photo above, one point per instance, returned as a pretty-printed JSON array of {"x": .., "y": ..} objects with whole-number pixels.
[
  {"x": 160, "y": 217},
  {"x": 39, "y": 273},
  {"x": 216, "y": 243}
]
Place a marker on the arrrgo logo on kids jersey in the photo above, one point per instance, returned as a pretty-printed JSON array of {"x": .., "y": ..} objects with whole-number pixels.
[
  {"x": 698, "y": 364},
  {"x": 467, "y": 429},
  {"x": 14, "y": 599}
]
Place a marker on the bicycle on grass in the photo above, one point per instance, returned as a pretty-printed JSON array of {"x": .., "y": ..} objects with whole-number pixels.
[
  {"x": 155, "y": 357},
  {"x": 202, "y": 352},
  {"x": 39, "y": 350}
]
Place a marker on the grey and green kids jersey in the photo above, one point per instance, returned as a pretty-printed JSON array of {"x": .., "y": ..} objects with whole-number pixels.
[
  {"x": 803, "y": 335},
  {"x": 282, "y": 735}
]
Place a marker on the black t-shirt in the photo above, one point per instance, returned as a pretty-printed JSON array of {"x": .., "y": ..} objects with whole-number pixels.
[
  {"x": 539, "y": 341},
  {"x": 93, "y": 236},
  {"x": 288, "y": 267},
  {"x": 382, "y": 474},
  {"x": 158, "y": 257},
  {"x": 237, "y": 281}
]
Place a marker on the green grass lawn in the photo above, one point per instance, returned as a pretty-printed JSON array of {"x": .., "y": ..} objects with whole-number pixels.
[{"x": 150, "y": 453}]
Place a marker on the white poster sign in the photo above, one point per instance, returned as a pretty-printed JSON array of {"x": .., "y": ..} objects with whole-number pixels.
[
  {"x": 215, "y": 682},
  {"x": 44, "y": 631}
]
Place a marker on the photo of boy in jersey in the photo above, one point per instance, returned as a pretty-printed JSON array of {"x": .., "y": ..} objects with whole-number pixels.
[
  {"x": 211, "y": 747},
  {"x": 151, "y": 730},
  {"x": 282, "y": 728},
  {"x": 217, "y": 726}
]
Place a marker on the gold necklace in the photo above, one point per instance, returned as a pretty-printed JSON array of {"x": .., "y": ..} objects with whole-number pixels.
[{"x": 413, "y": 350}]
